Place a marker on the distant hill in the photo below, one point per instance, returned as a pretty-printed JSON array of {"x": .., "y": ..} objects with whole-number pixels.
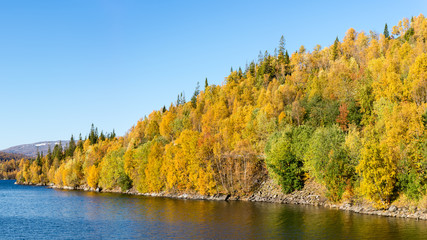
[
  {"x": 30, "y": 150},
  {"x": 4, "y": 156}
]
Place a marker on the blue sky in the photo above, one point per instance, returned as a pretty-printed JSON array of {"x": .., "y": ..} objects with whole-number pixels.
[{"x": 67, "y": 64}]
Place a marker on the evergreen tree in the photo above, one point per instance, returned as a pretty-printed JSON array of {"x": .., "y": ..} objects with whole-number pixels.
[
  {"x": 196, "y": 93},
  {"x": 183, "y": 101},
  {"x": 49, "y": 155},
  {"x": 39, "y": 158},
  {"x": 80, "y": 143},
  {"x": 287, "y": 59},
  {"x": 57, "y": 151},
  {"x": 93, "y": 135},
  {"x": 281, "y": 55},
  {"x": 386, "y": 33},
  {"x": 266, "y": 55},
  {"x": 282, "y": 45},
  {"x": 335, "y": 49},
  {"x": 112, "y": 135},
  {"x": 260, "y": 57},
  {"x": 71, "y": 147},
  {"x": 206, "y": 83},
  {"x": 102, "y": 136},
  {"x": 252, "y": 69}
]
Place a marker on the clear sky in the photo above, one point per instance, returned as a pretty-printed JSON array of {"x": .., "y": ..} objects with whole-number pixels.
[{"x": 67, "y": 64}]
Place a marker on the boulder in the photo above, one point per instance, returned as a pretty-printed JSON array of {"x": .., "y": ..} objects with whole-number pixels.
[{"x": 392, "y": 208}]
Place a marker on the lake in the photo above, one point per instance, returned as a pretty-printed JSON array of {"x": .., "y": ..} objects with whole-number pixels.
[{"x": 30, "y": 212}]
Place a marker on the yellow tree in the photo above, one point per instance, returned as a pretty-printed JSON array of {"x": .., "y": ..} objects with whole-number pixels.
[
  {"x": 378, "y": 173},
  {"x": 166, "y": 129},
  {"x": 378, "y": 170},
  {"x": 35, "y": 173},
  {"x": 404, "y": 133},
  {"x": 155, "y": 182},
  {"x": 416, "y": 83},
  {"x": 152, "y": 128},
  {"x": 93, "y": 176}
]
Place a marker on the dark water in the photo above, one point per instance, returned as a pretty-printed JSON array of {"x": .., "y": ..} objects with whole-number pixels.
[{"x": 28, "y": 212}]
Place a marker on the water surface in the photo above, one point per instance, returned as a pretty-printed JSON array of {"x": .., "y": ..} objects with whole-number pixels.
[{"x": 29, "y": 212}]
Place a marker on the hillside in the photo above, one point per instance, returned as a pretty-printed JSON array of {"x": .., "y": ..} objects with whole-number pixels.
[
  {"x": 4, "y": 156},
  {"x": 351, "y": 116},
  {"x": 30, "y": 150}
]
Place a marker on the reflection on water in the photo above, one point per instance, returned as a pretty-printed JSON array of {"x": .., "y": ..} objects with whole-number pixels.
[{"x": 41, "y": 213}]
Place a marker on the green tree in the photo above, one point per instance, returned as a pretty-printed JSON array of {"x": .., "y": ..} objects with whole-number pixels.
[
  {"x": 112, "y": 173},
  {"x": 335, "y": 49},
  {"x": 328, "y": 161},
  {"x": 194, "y": 97},
  {"x": 93, "y": 135},
  {"x": 386, "y": 32},
  {"x": 206, "y": 83},
  {"x": 71, "y": 147},
  {"x": 283, "y": 163},
  {"x": 281, "y": 55}
]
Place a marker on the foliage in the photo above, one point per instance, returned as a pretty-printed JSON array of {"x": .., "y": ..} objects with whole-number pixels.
[
  {"x": 282, "y": 160},
  {"x": 329, "y": 162},
  {"x": 351, "y": 115}
]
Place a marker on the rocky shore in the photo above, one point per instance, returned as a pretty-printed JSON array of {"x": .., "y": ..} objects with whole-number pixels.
[
  {"x": 269, "y": 191},
  {"x": 313, "y": 194}
]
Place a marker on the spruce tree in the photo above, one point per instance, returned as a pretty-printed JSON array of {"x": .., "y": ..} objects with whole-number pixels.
[
  {"x": 183, "y": 101},
  {"x": 287, "y": 59},
  {"x": 335, "y": 49},
  {"x": 282, "y": 45},
  {"x": 282, "y": 49},
  {"x": 57, "y": 151},
  {"x": 112, "y": 135},
  {"x": 49, "y": 155},
  {"x": 80, "y": 143},
  {"x": 252, "y": 69},
  {"x": 260, "y": 57},
  {"x": 194, "y": 97},
  {"x": 39, "y": 158},
  {"x": 102, "y": 136},
  {"x": 71, "y": 147},
  {"x": 206, "y": 83},
  {"x": 93, "y": 135},
  {"x": 386, "y": 33}
]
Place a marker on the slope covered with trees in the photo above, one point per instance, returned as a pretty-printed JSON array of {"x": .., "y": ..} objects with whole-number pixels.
[
  {"x": 4, "y": 156},
  {"x": 351, "y": 116},
  {"x": 8, "y": 164}
]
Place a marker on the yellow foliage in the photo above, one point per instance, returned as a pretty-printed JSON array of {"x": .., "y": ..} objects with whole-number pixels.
[
  {"x": 58, "y": 176},
  {"x": 416, "y": 83},
  {"x": 93, "y": 176}
]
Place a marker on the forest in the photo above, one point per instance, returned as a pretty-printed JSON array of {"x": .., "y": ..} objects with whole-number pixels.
[
  {"x": 4, "y": 156},
  {"x": 351, "y": 116}
]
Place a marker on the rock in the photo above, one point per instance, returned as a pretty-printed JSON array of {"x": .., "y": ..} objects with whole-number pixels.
[
  {"x": 224, "y": 197},
  {"x": 392, "y": 208}
]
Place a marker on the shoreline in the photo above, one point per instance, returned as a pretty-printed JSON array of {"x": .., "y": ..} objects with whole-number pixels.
[{"x": 270, "y": 192}]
